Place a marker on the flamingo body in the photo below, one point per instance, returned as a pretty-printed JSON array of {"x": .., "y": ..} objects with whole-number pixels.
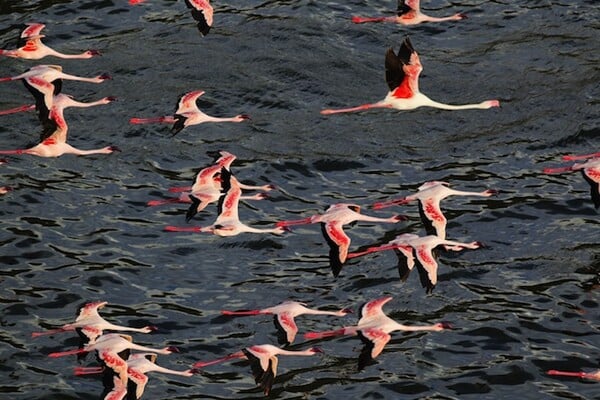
[
  {"x": 263, "y": 361},
  {"x": 374, "y": 328},
  {"x": 284, "y": 315},
  {"x": 332, "y": 222}
]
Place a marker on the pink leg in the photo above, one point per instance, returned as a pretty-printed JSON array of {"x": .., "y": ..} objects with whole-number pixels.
[
  {"x": 67, "y": 353},
  {"x": 567, "y": 373},
  {"x": 49, "y": 332},
  {"x": 153, "y": 203},
  {"x": 375, "y": 249},
  {"x": 249, "y": 312},
  {"x": 325, "y": 334},
  {"x": 18, "y": 109},
  {"x": 171, "y": 228},
  {"x": 580, "y": 157},
  {"x": 385, "y": 204},
  {"x": 201, "y": 364},
  {"x": 153, "y": 120},
  {"x": 179, "y": 189},
  {"x": 295, "y": 222},
  {"x": 557, "y": 170},
  {"x": 88, "y": 370},
  {"x": 361, "y": 20}
]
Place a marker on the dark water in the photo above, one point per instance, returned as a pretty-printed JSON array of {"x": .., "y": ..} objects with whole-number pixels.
[{"x": 77, "y": 229}]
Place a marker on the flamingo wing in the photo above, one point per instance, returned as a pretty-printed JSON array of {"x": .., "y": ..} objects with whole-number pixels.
[
  {"x": 137, "y": 380},
  {"x": 406, "y": 261},
  {"x": 403, "y": 8},
  {"x": 33, "y": 29},
  {"x": 377, "y": 339},
  {"x": 432, "y": 217},
  {"x": 592, "y": 176},
  {"x": 187, "y": 102},
  {"x": 286, "y": 326},
  {"x": 113, "y": 361},
  {"x": 202, "y": 12},
  {"x": 259, "y": 364},
  {"x": 339, "y": 243},
  {"x": 428, "y": 267},
  {"x": 373, "y": 308}
]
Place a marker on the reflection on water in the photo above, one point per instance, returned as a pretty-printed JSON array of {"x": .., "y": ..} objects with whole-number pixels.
[{"x": 78, "y": 229}]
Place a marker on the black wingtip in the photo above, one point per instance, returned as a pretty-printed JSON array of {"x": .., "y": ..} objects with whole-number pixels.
[{"x": 193, "y": 209}]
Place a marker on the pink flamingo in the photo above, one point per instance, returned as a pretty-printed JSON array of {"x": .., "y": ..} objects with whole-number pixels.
[
  {"x": 374, "y": 328},
  {"x": 228, "y": 222},
  {"x": 284, "y": 315},
  {"x": 187, "y": 114},
  {"x": 408, "y": 13},
  {"x": 138, "y": 365},
  {"x": 207, "y": 188},
  {"x": 34, "y": 49},
  {"x": 47, "y": 80},
  {"x": 202, "y": 12},
  {"x": 332, "y": 227},
  {"x": 56, "y": 145},
  {"x": 108, "y": 347},
  {"x": 263, "y": 361},
  {"x": 595, "y": 375},
  {"x": 429, "y": 196},
  {"x": 590, "y": 170},
  {"x": 408, "y": 246},
  {"x": 402, "y": 72},
  {"x": 90, "y": 324}
]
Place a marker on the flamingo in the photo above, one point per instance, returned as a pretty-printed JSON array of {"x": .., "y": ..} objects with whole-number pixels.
[
  {"x": 228, "y": 222},
  {"x": 108, "y": 347},
  {"x": 374, "y": 328},
  {"x": 207, "y": 188},
  {"x": 284, "y": 315},
  {"x": 408, "y": 13},
  {"x": 55, "y": 145},
  {"x": 408, "y": 246},
  {"x": 34, "y": 49},
  {"x": 187, "y": 114},
  {"x": 202, "y": 12},
  {"x": 138, "y": 365},
  {"x": 332, "y": 223},
  {"x": 590, "y": 170},
  {"x": 263, "y": 361},
  {"x": 429, "y": 196},
  {"x": 47, "y": 80},
  {"x": 594, "y": 375},
  {"x": 402, "y": 75},
  {"x": 90, "y": 325}
]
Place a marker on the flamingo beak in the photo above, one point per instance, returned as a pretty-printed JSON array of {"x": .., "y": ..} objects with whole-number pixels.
[
  {"x": 94, "y": 53},
  {"x": 347, "y": 311},
  {"x": 317, "y": 350},
  {"x": 446, "y": 325}
]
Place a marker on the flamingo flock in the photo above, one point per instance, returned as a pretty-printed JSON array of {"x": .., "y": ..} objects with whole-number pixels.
[{"x": 123, "y": 370}]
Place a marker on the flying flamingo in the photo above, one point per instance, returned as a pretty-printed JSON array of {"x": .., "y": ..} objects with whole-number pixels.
[
  {"x": 90, "y": 325},
  {"x": 207, "y": 188},
  {"x": 595, "y": 375},
  {"x": 56, "y": 145},
  {"x": 202, "y": 12},
  {"x": 429, "y": 196},
  {"x": 284, "y": 315},
  {"x": 408, "y": 246},
  {"x": 138, "y": 365},
  {"x": 590, "y": 170},
  {"x": 34, "y": 49},
  {"x": 374, "y": 328},
  {"x": 228, "y": 222},
  {"x": 402, "y": 75},
  {"x": 408, "y": 13},
  {"x": 187, "y": 114},
  {"x": 47, "y": 80},
  {"x": 332, "y": 227},
  {"x": 263, "y": 361},
  {"x": 108, "y": 347}
]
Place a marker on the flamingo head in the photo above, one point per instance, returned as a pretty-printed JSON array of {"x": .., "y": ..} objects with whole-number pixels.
[
  {"x": 398, "y": 218},
  {"x": 150, "y": 328},
  {"x": 491, "y": 192},
  {"x": 316, "y": 350},
  {"x": 113, "y": 148},
  {"x": 443, "y": 325},
  {"x": 104, "y": 77},
  {"x": 172, "y": 349},
  {"x": 345, "y": 311},
  {"x": 92, "y": 53}
]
